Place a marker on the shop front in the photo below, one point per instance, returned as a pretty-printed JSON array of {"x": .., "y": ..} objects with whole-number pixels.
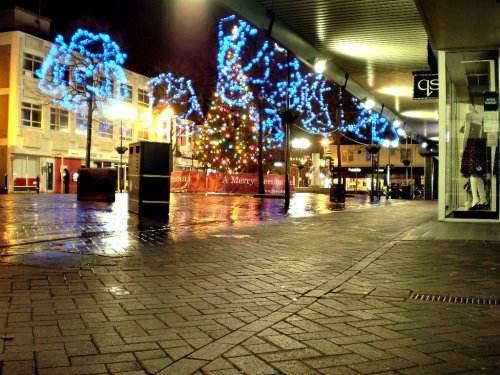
[{"x": 469, "y": 127}]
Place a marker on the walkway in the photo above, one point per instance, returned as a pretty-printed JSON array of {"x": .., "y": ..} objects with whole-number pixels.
[{"x": 382, "y": 289}]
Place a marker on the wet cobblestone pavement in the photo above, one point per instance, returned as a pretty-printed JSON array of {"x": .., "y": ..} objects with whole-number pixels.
[
  {"x": 233, "y": 286},
  {"x": 54, "y": 222}
]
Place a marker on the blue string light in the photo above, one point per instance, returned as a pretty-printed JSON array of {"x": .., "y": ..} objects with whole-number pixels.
[
  {"x": 176, "y": 92},
  {"x": 88, "y": 67}
]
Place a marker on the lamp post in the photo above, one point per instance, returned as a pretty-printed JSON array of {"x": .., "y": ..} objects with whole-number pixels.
[
  {"x": 122, "y": 112},
  {"x": 389, "y": 145}
]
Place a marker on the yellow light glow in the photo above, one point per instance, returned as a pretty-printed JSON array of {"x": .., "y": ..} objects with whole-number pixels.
[
  {"x": 406, "y": 92},
  {"x": 421, "y": 114}
]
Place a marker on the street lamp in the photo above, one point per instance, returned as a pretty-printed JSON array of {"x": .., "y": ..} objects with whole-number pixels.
[
  {"x": 127, "y": 112},
  {"x": 389, "y": 145}
]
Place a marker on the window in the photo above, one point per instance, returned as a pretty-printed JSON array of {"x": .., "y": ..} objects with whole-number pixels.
[
  {"x": 142, "y": 97},
  {"x": 105, "y": 128},
  {"x": 59, "y": 119},
  {"x": 143, "y": 135},
  {"x": 81, "y": 124},
  {"x": 32, "y": 62},
  {"x": 347, "y": 155},
  {"x": 129, "y": 91},
  {"x": 183, "y": 136},
  {"x": 127, "y": 130},
  {"x": 406, "y": 154},
  {"x": 31, "y": 115}
]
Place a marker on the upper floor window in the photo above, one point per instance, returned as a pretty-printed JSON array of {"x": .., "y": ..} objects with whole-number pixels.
[
  {"x": 143, "y": 134},
  {"x": 81, "y": 124},
  {"x": 105, "y": 128},
  {"x": 32, "y": 62},
  {"x": 127, "y": 130},
  {"x": 347, "y": 155},
  {"x": 59, "y": 119},
  {"x": 142, "y": 97},
  {"x": 129, "y": 91},
  {"x": 31, "y": 115},
  {"x": 406, "y": 154}
]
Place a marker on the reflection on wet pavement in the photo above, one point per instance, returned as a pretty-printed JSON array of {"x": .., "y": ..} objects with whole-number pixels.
[{"x": 53, "y": 222}]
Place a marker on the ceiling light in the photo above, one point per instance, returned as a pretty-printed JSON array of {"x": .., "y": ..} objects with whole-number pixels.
[
  {"x": 396, "y": 123},
  {"x": 397, "y": 91},
  {"x": 368, "y": 103},
  {"x": 421, "y": 114},
  {"x": 401, "y": 132},
  {"x": 320, "y": 66}
]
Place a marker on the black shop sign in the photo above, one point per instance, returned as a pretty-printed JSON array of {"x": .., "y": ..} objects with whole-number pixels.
[
  {"x": 491, "y": 101},
  {"x": 425, "y": 85}
]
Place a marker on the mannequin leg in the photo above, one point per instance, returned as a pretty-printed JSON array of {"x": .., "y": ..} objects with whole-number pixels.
[
  {"x": 478, "y": 193},
  {"x": 474, "y": 190}
]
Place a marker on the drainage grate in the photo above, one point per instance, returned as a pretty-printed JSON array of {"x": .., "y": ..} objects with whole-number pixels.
[{"x": 454, "y": 299}]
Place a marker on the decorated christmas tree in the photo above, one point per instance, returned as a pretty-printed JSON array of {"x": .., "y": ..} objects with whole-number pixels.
[{"x": 228, "y": 141}]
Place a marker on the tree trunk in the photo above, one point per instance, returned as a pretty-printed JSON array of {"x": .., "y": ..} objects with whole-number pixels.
[{"x": 90, "y": 109}]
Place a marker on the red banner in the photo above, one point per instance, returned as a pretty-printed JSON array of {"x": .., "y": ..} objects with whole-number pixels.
[{"x": 246, "y": 183}]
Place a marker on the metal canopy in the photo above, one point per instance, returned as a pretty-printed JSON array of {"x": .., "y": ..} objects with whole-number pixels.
[{"x": 378, "y": 43}]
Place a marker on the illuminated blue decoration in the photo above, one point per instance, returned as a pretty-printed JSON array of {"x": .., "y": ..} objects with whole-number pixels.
[
  {"x": 370, "y": 126},
  {"x": 176, "y": 92},
  {"x": 89, "y": 67},
  {"x": 83, "y": 75},
  {"x": 168, "y": 91},
  {"x": 246, "y": 58}
]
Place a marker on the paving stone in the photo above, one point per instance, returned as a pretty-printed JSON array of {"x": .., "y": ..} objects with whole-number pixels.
[
  {"x": 17, "y": 368},
  {"x": 252, "y": 365},
  {"x": 226, "y": 303},
  {"x": 51, "y": 358}
]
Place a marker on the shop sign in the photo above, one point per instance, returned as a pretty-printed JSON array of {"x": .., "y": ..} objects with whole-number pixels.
[
  {"x": 491, "y": 101},
  {"x": 328, "y": 151},
  {"x": 492, "y": 139},
  {"x": 425, "y": 85}
]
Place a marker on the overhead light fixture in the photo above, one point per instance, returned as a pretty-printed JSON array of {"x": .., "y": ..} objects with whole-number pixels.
[
  {"x": 401, "y": 132},
  {"x": 319, "y": 66},
  {"x": 396, "y": 123},
  {"x": 424, "y": 145},
  {"x": 368, "y": 103}
]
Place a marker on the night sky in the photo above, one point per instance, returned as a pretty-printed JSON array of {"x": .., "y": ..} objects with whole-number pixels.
[{"x": 157, "y": 35}]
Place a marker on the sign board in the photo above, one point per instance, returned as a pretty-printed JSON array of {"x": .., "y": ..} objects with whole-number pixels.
[
  {"x": 328, "y": 151},
  {"x": 490, "y": 101},
  {"x": 492, "y": 139},
  {"x": 425, "y": 85}
]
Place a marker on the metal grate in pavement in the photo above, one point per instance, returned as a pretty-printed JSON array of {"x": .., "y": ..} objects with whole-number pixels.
[{"x": 454, "y": 299}]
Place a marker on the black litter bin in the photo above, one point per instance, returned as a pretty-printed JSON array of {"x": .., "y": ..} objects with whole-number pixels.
[
  {"x": 406, "y": 192},
  {"x": 337, "y": 194}
]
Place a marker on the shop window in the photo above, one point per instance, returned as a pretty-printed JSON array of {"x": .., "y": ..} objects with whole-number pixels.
[
  {"x": 31, "y": 115},
  {"x": 472, "y": 129},
  {"x": 59, "y": 119}
]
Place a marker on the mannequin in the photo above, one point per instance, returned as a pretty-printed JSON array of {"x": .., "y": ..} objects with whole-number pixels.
[{"x": 474, "y": 158}]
